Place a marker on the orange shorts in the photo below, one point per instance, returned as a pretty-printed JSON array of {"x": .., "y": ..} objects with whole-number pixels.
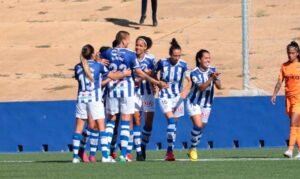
[{"x": 292, "y": 104}]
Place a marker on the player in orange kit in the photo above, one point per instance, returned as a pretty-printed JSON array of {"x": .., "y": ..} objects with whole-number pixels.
[{"x": 290, "y": 73}]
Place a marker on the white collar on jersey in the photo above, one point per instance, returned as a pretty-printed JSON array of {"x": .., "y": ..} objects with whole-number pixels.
[
  {"x": 140, "y": 60},
  {"x": 204, "y": 71}
]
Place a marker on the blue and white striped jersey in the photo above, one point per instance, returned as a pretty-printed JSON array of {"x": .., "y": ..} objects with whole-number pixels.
[
  {"x": 90, "y": 91},
  {"x": 173, "y": 75},
  {"x": 120, "y": 59},
  {"x": 202, "y": 98},
  {"x": 144, "y": 88}
]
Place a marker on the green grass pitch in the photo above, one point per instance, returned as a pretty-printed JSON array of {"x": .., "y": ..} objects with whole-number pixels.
[{"x": 235, "y": 163}]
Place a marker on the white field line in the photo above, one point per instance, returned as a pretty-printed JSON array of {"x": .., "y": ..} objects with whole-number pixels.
[
  {"x": 182, "y": 160},
  {"x": 229, "y": 159},
  {"x": 16, "y": 161}
]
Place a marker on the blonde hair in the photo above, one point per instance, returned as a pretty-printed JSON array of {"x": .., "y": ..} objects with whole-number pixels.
[{"x": 87, "y": 52}]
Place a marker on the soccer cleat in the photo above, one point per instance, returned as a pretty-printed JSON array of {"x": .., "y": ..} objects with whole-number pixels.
[
  {"x": 288, "y": 154},
  {"x": 122, "y": 159},
  {"x": 83, "y": 156},
  {"x": 128, "y": 158},
  {"x": 297, "y": 156},
  {"x": 75, "y": 160},
  {"x": 107, "y": 160},
  {"x": 170, "y": 156},
  {"x": 139, "y": 157},
  {"x": 92, "y": 159},
  {"x": 112, "y": 160},
  {"x": 193, "y": 154},
  {"x": 114, "y": 155},
  {"x": 143, "y": 147}
]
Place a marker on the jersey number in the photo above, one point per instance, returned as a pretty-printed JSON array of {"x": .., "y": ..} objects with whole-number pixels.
[{"x": 86, "y": 84}]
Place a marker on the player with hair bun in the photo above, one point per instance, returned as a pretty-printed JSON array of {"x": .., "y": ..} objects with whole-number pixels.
[{"x": 173, "y": 70}]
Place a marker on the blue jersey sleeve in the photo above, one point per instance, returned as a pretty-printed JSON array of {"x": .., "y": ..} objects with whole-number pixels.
[
  {"x": 186, "y": 67},
  {"x": 104, "y": 72},
  {"x": 75, "y": 71},
  {"x": 134, "y": 62},
  {"x": 152, "y": 64},
  {"x": 158, "y": 66},
  {"x": 105, "y": 54}
]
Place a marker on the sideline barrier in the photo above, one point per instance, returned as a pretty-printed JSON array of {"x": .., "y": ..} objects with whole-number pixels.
[{"x": 235, "y": 122}]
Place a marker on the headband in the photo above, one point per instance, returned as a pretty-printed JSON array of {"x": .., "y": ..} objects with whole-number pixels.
[{"x": 143, "y": 41}]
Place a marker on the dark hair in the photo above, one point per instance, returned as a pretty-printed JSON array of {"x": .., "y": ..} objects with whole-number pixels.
[
  {"x": 294, "y": 45},
  {"x": 103, "y": 48},
  {"x": 199, "y": 55},
  {"x": 87, "y": 51},
  {"x": 114, "y": 43},
  {"x": 121, "y": 35},
  {"x": 174, "y": 46},
  {"x": 148, "y": 41}
]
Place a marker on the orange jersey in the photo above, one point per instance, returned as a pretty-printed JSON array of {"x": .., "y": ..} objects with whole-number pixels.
[{"x": 290, "y": 73}]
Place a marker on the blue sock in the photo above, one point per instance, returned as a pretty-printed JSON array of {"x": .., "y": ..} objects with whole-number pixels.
[
  {"x": 124, "y": 137},
  {"x": 85, "y": 137},
  {"x": 104, "y": 144},
  {"x": 76, "y": 143},
  {"x": 110, "y": 125},
  {"x": 137, "y": 139},
  {"x": 196, "y": 136},
  {"x": 146, "y": 133},
  {"x": 171, "y": 134},
  {"x": 130, "y": 142},
  {"x": 94, "y": 138}
]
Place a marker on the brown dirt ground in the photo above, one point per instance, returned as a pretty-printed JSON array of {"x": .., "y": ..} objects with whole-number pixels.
[{"x": 40, "y": 40}]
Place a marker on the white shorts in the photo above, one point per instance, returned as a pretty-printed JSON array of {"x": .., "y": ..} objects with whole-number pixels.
[
  {"x": 175, "y": 105},
  {"x": 145, "y": 103},
  {"x": 120, "y": 105},
  {"x": 96, "y": 109},
  {"x": 196, "y": 109}
]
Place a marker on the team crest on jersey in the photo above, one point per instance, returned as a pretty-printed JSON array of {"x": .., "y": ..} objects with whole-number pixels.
[{"x": 143, "y": 66}]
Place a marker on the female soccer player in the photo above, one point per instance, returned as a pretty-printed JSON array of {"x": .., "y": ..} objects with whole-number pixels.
[
  {"x": 144, "y": 98},
  {"x": 91, "y": 129},
  {"x": 290, "y": 73},
  {"x": 204, "y": 77},
  {"x": 120, "y": 93},
  {"x": 173, "y": 72},
  {"x": 89, "y": 74}
]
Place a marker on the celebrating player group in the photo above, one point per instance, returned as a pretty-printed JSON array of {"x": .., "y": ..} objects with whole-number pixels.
[{"x": 119, "y": 84}]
